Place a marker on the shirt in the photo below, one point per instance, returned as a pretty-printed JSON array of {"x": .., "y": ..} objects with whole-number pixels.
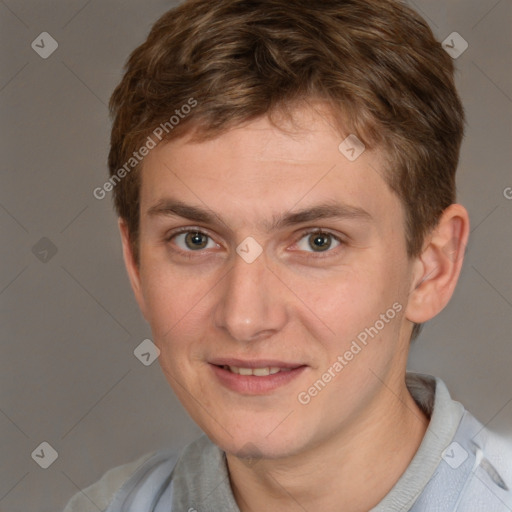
[{"x": 460, "y": 466}]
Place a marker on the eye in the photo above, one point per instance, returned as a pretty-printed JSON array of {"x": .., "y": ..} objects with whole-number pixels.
[
  {"x": 193, "y": 240},
  {"x": 318, "y": 241}
]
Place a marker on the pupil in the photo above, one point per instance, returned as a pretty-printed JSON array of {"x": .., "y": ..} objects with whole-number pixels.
[
  {"x": 196, "y": 240},
  {"x": 320, "y": 241}
]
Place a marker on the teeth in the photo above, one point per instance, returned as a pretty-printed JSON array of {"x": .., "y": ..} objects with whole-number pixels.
[
  {"x": 261, "y": 372},
  {"x": 258, "y": 372}
]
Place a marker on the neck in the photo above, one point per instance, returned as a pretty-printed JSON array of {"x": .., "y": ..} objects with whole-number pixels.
[{"x": 351, "y": 471}]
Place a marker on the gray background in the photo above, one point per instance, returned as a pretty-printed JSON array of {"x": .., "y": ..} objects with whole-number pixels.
[{"x": 70, "y": 324}]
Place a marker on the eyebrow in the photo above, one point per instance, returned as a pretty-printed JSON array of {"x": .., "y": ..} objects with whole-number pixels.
[{"x": 327, "y": 210}]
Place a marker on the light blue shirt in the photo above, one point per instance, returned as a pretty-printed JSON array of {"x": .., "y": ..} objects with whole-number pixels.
[{"x": 460, "y": 466}]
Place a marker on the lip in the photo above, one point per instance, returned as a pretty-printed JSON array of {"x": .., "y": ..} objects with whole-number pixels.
[
  {"x": 252, "y": 384},
  {"x": 254, "y": 363}
]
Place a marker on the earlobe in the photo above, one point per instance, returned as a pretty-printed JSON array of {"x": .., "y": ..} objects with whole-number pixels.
[
  {"x": 131, "y": 267},
  {"x": 437, "y": 269}
]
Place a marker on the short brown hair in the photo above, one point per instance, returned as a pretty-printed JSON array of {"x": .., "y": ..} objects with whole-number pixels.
[{"x": 375, "y": 62}]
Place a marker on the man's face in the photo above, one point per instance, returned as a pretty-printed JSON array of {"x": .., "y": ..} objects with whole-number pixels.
[{"x": 322, "y": 281}]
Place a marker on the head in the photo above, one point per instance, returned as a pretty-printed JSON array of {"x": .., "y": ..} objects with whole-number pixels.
[{"x": 238, "y": 109}]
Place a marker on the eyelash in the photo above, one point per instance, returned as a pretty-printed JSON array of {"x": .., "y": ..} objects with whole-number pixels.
[{"x": 302, "y": 234}]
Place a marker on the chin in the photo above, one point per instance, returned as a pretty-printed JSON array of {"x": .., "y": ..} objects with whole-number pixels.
[{"x": 255, "y": 442}]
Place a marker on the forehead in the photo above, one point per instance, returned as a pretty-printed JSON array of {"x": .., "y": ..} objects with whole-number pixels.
[{"x": 256, "y": 171}]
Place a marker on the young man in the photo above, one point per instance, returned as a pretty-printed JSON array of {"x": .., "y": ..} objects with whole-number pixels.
[{"x": 284, "y": 176}]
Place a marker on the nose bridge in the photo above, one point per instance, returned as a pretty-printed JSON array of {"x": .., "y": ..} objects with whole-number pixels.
[{"x": 249, "y": 306}]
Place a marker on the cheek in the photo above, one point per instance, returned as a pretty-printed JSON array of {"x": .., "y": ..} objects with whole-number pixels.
[
  {"x": 343, "y": 299},
  {"x": 170, "y": 296},
  {"x": 177, "y": 311},
  {"x": 361, "y": 305}
]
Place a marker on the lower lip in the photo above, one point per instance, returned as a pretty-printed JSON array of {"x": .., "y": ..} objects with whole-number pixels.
[{"x": 253, "y": 385}]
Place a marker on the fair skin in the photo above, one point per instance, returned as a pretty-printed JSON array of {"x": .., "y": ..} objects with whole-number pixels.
[{"x": 295, "y": 303}]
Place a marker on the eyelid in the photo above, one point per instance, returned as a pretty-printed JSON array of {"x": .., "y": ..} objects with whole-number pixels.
[
  {"x": 309, "y": 231},
  {"x": 186, "y": 229}
]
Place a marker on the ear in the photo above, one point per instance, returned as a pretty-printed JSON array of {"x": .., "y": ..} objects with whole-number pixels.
[
  {"x": 436, "y": 271},
  {"x": 131, "y": 267}
]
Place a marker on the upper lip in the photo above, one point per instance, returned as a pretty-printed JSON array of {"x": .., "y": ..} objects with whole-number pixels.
[{"x": 253, "y": 363}]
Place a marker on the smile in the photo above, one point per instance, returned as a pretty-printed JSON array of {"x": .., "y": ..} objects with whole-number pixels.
[
  {"x": 258, "y": 379},
  {"x": 258, "y": 372}
]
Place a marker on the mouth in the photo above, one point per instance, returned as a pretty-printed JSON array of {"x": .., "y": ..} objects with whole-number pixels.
[
  {"x": 257, "y": 372},
  {"x": 255, "y": 377}
]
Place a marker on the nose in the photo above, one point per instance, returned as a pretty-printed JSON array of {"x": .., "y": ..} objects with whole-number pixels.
[{"x": 251, "y": 303}]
